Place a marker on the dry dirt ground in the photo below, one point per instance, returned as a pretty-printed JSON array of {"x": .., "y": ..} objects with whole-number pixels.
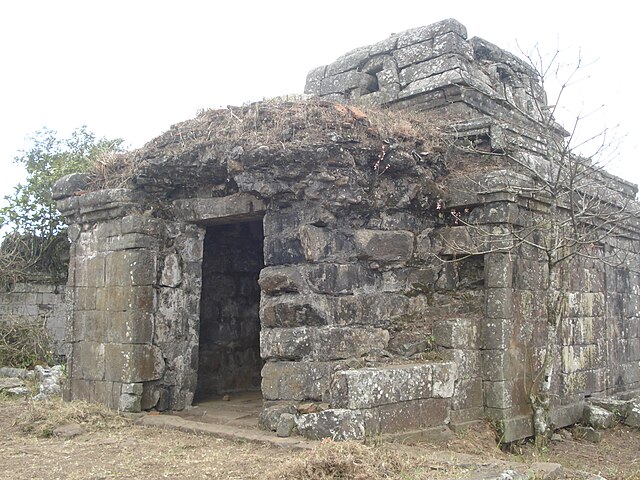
[{"x": 114, "y": 447}]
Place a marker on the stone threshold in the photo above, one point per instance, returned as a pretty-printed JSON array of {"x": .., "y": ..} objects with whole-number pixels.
[{"x": 174, "y": 422}]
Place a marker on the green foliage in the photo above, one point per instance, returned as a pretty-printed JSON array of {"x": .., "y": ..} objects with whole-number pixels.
[
  {"x": 35, "y": 241},
  {"x": 30, "y": 209}
]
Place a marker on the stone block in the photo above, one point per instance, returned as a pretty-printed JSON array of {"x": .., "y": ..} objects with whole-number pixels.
[
  {"x": 294, "y": 311},
  {"x": 122, "y": 299},
  {"x": 444, "y": 377},
  {"x": 142, "y": 224},
  {"x": 430, "y": 67},
  {"x": 278, "y": 280},
  {"x": 499, "y": 303},
  {"x": 69, "y": 185},
  {"x": 461, "y": 420},
  {"x": 171, "y": 275},
  {"x": 585, "y": 304},
  {"x": 68, "y": 206},
  {"x": 190, "y": 247},
  {"x": 372, "y": 387},
  {"x": 451, "y": 43},
  {"x": 107, "y": 393},
  {"x": 320, "y": 343},
  {"x": 630, "y": 373},
  {"x": 314, "y": 80},
  {"x": 99, "y": 199},
  {"x": 80, "y": 389},
  {"x": 128, "y": 241},
  {"x": 286, "y": 425},
  {"x": 130, "y": 268},
  {"x": 339, "y": 279},
  {"x": 129, "y": 327},
  {"x": 426, "y": 32},
  {"x": 386, "y": 71},
  {"x": 632, "y": 418},
  {"x": 336, "y": 424},
  {"x": 90, "y": 325},
  {"x": 613, "y": 405},
  {"x": 88, "y": 361},
  {"x": 346, "y": 81},
  {"x": 281, "y": 251},
  {"x": 565, "y": 415},
  {"x": 497, "y": 395},
  {"x": 456, "y": 333},
  {"x": 588, "y": 434},
  {"x": 226, "y": 209},
  {"x": 453, "y": 241},
  {"x": 370, "y": 309},
  {"x": 516, "y": 428},
  {"x": 598, "y": 417},
  {"x": 573, "y": 383},
  {"x": 350, "y": 61},
  {"x": 90, "y": 271},
  {"x": 296, "y": 381},
  {"x": 432, "y": 83},
  {"x": 408, "y": 344},
  {"x": 324, "y": 244},
  {"x": 269, "y": 417},
  {"x": 468, "y": 394},
  {"x": 132, "y": 388},
  {"x": 496, "y": 212},
  {"x": 577, "y": 358},
  {"x": 494, "y": 365},
  {"x": 469, "y": 362},
  {"x": 287, "y": 343},
  {"x": 130, "y": 363},
  {"x": 106, "y": 229},
  {"x": 408, "y": 416},
  {"x": 129, "y": 403},
  {"x": 384, "y": 246},
  {"x": 498, "y": 270},
  {"x": 434, "y": 412},
  {"x": 393, "y": 418}
]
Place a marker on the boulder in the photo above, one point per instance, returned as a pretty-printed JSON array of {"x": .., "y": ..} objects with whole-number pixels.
[
  {"x": 633, "y": 414},
  {"x": 269, "y": 417},
  {"x": 598, "y": 417}
]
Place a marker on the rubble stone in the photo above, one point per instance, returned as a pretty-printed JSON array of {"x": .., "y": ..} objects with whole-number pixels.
[
  {"x": 335, "y": 424},
  {"x": 598, "y": 417}
]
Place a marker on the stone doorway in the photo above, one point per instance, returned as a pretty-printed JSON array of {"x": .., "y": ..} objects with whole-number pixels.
[{"x": 229, "y": 345}]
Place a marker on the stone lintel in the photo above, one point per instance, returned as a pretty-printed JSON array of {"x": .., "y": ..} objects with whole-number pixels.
[{"x": 238, "y": 207}]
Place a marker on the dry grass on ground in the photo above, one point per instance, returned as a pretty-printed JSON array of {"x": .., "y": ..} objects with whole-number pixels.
[{"x": 114, "y": 447}]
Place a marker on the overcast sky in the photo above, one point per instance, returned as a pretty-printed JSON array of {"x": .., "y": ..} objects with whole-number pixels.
[{"x": 130, "y": 69}]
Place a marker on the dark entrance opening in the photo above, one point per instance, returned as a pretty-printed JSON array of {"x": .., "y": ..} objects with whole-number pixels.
[{"x": 229, "y": 355}]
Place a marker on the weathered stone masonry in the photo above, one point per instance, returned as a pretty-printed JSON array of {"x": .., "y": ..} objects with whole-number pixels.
[
  {"x": 39, "y": 302},
  {"x": 342, "y": 232}
]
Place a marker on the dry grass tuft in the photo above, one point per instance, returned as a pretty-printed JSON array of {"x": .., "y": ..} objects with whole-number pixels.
[
  {"x": 41, "y": 418},
  {"x": 350, "y": 460},
  {"x": 24, "y": 345},
  {"x": 278, "y": 124},
  {"x": 113, "y": 170}
]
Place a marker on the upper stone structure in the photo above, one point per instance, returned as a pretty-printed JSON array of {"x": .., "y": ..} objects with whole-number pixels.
[{"x": 421, "y": 68}]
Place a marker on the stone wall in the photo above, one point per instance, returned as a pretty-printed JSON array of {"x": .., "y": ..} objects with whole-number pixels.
[
  {"x": 366, "y": 305},
  {"x": 37, "y": 303}
]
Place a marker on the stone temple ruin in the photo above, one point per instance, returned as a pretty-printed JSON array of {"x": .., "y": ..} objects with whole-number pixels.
[{"x": 300, "y": 249}]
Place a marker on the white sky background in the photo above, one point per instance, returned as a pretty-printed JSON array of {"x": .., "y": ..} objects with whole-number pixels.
[{"x": 130, "y": 69}]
